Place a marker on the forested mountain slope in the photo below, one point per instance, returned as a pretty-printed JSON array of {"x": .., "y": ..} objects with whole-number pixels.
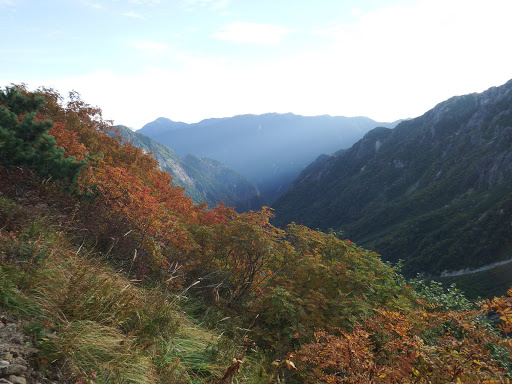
[
  {"x": 113, "y": 275},
  {"x": 204, "y": 180},
  {"x": 436, "y": 191},
  {"x": 270, "y": 150}
]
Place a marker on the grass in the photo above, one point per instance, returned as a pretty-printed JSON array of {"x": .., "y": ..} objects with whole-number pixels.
[
  {"x": 11, "y": 298},
  {"x": 103, "y": 353},
  {"x": 93, "y": 322},
  {"x": 110, "y": 328}
]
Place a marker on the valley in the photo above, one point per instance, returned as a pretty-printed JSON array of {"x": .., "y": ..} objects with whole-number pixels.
[
  {"x": 204, "y": 180},
  {"x": 270, "y": 150},
  {"x": 117, "y": 271},
  {"x": 247, "y": 192},
  {"x": 400, "y": 191},
  {"x": 435, "y": 191}
]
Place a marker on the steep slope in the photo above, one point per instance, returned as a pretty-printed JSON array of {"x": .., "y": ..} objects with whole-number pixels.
[
  {"x": 216, "y": 182},
  {"x": 436, "y": 191},
  {"x": 204, "y": 180},
  {"x": 270, "y": 149},
  {"x": 113, "y": 275}
]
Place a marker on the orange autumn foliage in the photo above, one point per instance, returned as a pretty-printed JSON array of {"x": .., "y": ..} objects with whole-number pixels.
[
  {"x": 414, "y": 347},
  {"x": 502, "y": 306},
  {"x": 288, "y": 283},
  {"x": 130, "y": 199}
]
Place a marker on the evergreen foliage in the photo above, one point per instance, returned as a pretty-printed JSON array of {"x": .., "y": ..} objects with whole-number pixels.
[{"x": 24, "y": 139}]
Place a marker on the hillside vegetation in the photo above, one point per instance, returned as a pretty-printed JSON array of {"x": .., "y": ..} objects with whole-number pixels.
[
  {"x": 120, "y": 278},
  {"x": 436, "y": 191},
  {"x": 204, "y": 180}
]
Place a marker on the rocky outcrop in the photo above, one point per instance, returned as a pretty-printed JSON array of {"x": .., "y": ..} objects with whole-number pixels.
[
  {"x": 14, "y": 354},
  {"x": 18, "y": 356}
]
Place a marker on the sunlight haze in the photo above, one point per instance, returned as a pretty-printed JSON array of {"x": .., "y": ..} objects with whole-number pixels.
[{"x": 188, "y": 60}]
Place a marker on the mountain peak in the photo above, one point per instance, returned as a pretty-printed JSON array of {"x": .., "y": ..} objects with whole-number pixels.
[{"x": 162, "y": 124}]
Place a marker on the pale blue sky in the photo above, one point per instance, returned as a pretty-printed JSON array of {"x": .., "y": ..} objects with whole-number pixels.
[{"x": 193, "y": 59}]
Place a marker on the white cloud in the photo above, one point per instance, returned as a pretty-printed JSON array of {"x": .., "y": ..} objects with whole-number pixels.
[
  {"x": 356, "y": 11},
  {"x": 92, "y": 4},
  {"x": 410, "y": 58},
  {"x": 196, "y": 2},
  {"x": 200, "y": 3},
  {"x": 389, "y": 64},
  {"x": 216, "y": 5},
  {"x": 150, "y": 47},
  {"x": 144, "y": 2},
  {"x": 262, "y": 34},
  {"x": 221, "y": 4},
  {"x": 133, "y": 15},
  {"x": 54, "y": 33}
]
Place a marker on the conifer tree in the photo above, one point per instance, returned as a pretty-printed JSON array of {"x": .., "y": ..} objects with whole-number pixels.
[{"x": 24, "y": 141}]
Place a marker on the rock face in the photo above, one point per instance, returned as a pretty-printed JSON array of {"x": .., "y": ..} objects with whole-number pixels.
[
  {"x": 14, "y": 355},
  {"x": 18, "y": 356},
  {"x": 435, "y": 191}
]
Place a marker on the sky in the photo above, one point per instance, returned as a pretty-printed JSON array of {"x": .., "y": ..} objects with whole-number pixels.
[{"x": 188, "y": 60}]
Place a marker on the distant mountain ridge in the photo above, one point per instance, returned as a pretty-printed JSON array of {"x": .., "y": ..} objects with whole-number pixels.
[
  {"x": 204, "y": 180},
  {"x": 269, "y": 149},
  {"x": 436, "y": 191}
]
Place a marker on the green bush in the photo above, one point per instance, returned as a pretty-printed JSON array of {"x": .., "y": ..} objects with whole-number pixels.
[{"x": 24, "y": 140}]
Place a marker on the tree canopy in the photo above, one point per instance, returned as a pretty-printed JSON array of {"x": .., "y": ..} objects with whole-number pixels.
[{"x": 24, "y": 139}]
